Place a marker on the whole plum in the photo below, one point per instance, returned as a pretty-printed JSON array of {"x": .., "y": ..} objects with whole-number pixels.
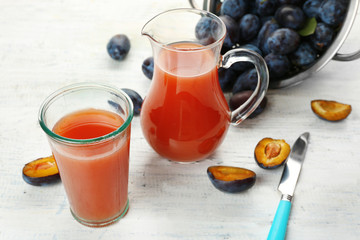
[
  {"x": 246, "y": 81},
  {"x": 283, "y": 41},
  {"x": 240, "y": 98},
  {"x": 290, "y": 16},
  {"x": 252, "y": 7},
  {"x": 135, "y": 98},
  {"x": 332, "y": 12},
  {"x": 234, "y": 8},
  {"x": 291, "y": 34},
  {"x": 232, "y": 32},
  {"x": 278, "y": 65},
  {"x": 118, "y": 47},
  {"x": 304, "y": 55},
  {"x": 322, "y": 37},
  {"x": 205, "y": 30},
  {"x": 242, "y": 66},
  {"x": 311, "y": 8},
  {"x": 249, "y": 26},
  {"x": 148, "y": 67},
  {"x": 293, "y": 2},
  {"x": 265, "y": 31},
  {"x": 227, "y": 77},
  {"x": 266, "y": 7}
]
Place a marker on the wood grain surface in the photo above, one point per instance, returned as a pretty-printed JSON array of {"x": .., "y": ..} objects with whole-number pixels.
[{"x": 45, "y": 45}]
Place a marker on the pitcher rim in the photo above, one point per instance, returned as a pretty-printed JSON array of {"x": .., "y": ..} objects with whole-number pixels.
[{"x": 199, "y": 11}]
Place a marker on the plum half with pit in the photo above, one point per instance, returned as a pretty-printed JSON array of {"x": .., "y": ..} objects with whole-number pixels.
[
  {"x": 231, "y": 179},
  {"x": 271, "y": 153}
]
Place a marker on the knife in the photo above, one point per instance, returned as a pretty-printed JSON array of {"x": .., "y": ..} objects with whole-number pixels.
[{"x": 287, "y": 186}]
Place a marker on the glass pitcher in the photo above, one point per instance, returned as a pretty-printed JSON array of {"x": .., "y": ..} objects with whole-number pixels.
[{"x": 185, "y": 116}]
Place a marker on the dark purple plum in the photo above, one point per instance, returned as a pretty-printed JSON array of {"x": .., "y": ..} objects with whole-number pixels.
[
  {"x": 148, "y": 67},
  {"x": 240, "y": 98},
  {"x": 252, "y": 7},
  {"x": 264, "y": 19},
  {"x": 283, "y": 41},
  {"x": 290, "y": 16},
  {"x": 234, "y": 8},
  {"x": 232, "y": 33},
  {"x": 231, "y": 179},
  {"x": 205, "y": 30},
  {"x": 246, "y": 81},
  {"x": 304, "y": 55},
  {"x": 242, "y": 66},
  {"x": 293, "y": 2},
  {"x": 118, "y": 47},
  {"x": 266, "y": 7},
  {"x": 135, "y": 98},
  {"x": 333, "y": 12},
  {"x": 227, "y": 77},
  {"x": 278, "y": 65},
  {"x": 311, "y": 8},
  {"x": 322, "y": 37},
  {"x": 265, "y": 31},
  {"x": 249, "y": 27}
]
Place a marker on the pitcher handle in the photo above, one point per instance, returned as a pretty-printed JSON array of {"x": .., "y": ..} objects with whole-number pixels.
[
  {"x": 193, "y": 4},
  {"x": 245, "y": 55},
  {"x": 347, "y": 57},
  {"x": 208, "y": 5}
]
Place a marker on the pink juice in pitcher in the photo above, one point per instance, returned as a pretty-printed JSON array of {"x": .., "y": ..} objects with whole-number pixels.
[{"x": 185, "y": 115}]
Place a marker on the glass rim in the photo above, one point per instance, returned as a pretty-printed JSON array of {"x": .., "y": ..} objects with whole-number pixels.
[
  {"x": 192, "y": 10},
  {"x": 81, "y": 86}
]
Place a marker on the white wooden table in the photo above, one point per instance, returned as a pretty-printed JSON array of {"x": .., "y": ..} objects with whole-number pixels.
[{"x": 45, "y": 45}]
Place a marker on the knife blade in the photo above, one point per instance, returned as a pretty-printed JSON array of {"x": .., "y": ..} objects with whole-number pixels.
[{"x": 287, "y": 186}]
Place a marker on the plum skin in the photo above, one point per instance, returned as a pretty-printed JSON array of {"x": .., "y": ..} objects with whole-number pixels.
[
  {"x": 283, "y": 41},
  {"x": 233, "y": 186},
  {"x": 290, "y": 16},
  {"x": 147, "y": 67},
  {"x": 118, "y": 47},
  {"x": 135, "y": 98},
  {"x": 240, "y": 98}
]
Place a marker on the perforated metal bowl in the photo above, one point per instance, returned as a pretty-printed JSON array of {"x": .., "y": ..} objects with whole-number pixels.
[{"x": 332, "y": 53}]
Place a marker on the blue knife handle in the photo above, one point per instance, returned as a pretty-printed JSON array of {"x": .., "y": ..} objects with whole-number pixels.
[{"x": 279, "y": 225}]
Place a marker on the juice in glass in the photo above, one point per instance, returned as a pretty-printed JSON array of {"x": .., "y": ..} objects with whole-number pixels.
[
  {"x": 185, "y": 115},
  {"x": 95, "y": 176},
  {"x": 88, "y": 126}
]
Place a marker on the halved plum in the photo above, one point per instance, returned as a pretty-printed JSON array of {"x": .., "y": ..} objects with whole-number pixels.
[
  {"x": 271, "y": 153},
  {"x": 41, "y": 171},
  {"x": 330, "y": 110},
  {"x": 231, "y": 179}
]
